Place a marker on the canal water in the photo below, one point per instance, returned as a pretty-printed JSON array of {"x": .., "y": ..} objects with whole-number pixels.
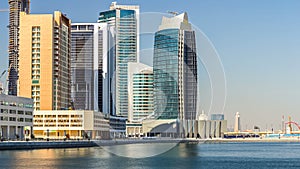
[{"x": 182, "y": 156}]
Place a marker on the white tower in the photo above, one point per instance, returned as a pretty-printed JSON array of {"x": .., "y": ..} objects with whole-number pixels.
[{"x": 237, "y": 124}]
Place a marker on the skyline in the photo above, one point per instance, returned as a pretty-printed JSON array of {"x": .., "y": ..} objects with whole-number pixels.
[{"x": 246, "y": 45}]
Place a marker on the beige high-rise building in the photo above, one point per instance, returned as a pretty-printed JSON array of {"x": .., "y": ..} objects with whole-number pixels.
[{"x": 44, "y": 61}]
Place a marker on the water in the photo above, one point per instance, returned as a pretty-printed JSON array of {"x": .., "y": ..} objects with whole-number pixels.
[{"x": 183, "y": 156}]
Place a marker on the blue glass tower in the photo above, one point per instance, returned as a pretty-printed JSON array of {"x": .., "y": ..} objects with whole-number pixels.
[
  {"x": 123, "y": 21},
  {"x": 175, "y": 70}
]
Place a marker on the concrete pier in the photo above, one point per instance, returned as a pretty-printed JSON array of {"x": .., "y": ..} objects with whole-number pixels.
[{"x": 22, "y": 145}]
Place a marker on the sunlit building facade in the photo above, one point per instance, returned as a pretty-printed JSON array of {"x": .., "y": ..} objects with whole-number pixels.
[
  {"x": 76, "y": 124},
  {"x": 44, "y": 61}
]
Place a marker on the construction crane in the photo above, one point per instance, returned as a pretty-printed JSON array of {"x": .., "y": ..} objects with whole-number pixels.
[
  {"x": 5, "y": 84},
  {"x": 1, "y": 84},
  {"x": 4, "y": 10},
  {"x": 2, "y": 74},
  {"x": 2, "y": 87},
  {"x": 173, "y": 13}
]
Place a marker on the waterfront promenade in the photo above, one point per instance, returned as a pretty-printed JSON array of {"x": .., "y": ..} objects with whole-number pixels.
[{"x": 21, "y": 145}]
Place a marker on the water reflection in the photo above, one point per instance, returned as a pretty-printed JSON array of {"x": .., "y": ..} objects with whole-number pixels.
[
  {"x": 140, "y": 150},
  {"x": 180, "y": 156}
]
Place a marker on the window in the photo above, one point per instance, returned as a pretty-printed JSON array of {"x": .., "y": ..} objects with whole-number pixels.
[
  {"x": 4, "y": 111},
  {"x": 12, "y": 119},
  {"x": 28, "y": 113},
  {"x": 82, "y": 27},
  {"x": 12, "y": 111},
  {"x": 20, "y": 119},
  {"x": 20, "y": 112},
  {"x": 28, "y": 120}
]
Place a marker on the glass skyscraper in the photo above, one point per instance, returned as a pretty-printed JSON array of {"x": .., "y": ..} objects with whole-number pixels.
[
  {"x": 89, "y": 63},
  {"x": 175, "y": 69},
  {"x": 124, "y": 23}
]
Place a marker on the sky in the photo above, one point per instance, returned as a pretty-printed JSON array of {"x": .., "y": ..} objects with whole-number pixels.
[{"x": 258, "y": 43}]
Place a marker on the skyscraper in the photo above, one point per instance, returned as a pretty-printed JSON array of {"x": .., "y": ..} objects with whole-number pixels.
[
  {"x": 89, "y": 66},
  {"x": 175, "y": 69},
  {"x": 124, "y": 23},
  {"x": 15, "y": 7},
  {"x": 44, "y": 64},
  {"x": 140, "y": 91}
]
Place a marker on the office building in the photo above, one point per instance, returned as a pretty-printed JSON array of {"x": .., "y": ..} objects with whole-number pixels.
[
  {"x": 140, "y": 92},
  {"x": 175, "y": 69},
  {"x": 16, "y": 114},
  {"x": 75, "y": 124},
  {"x": 90, "y": 44},
  {"x": 124, "y": 23},
  {"x": 44, "y": 63},
  {"x": 15, "y": 7}
]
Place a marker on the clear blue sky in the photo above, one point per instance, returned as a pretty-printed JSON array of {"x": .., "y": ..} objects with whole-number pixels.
[{"x": 258, "y": 43}]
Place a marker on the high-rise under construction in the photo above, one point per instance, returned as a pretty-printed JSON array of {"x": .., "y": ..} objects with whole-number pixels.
[{"x": 15, "y": 7}]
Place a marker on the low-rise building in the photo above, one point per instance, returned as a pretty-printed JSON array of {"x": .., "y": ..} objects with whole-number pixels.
[
  {"x": 134, "y": 129},
  {"x": 117, "y": 126},
  {"x": 199, "y": 128},
  {"x": 15, "y": 116},
  {"x": 74, "y": 124}
]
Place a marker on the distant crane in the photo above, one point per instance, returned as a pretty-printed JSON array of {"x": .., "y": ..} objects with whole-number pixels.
[
  {"x": 4, "y": 10},
  {"x": 173, "y": 13},
  {"x": 3, "y": 87}
]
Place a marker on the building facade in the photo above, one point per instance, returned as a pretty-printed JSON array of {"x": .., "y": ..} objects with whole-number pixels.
[
  {"x": 90, "y": 43},
  {"x": 175, "y": 69},
  {"x": 75, "y": 124},
  {"x": 16, "y": 114},
  {"x": 124, "y": 23},
  {"x": 208, "y": 129},
  {"x": 117, "y": 126},
  {"x": 140, "y": 92},
  {"x": 44, "y": 63},
  {"x": 15, "y": 7}
]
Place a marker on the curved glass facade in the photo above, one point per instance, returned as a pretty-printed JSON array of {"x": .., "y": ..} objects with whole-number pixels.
[
  {"x": 175, "y": 74},
  {"x": 165, "y": 70}
]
